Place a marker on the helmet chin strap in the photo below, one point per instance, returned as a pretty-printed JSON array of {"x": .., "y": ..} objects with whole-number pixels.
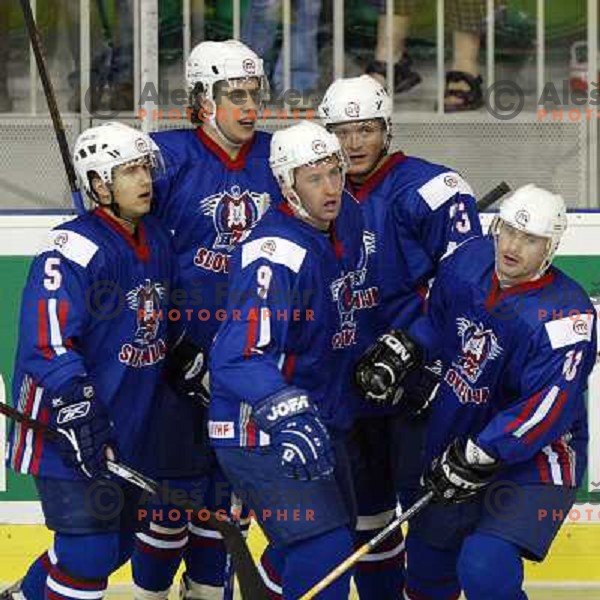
[
  {"x": 300, "y": 212},
  {"x": 297, "y": 206},
  {"x": 115, "y": 209},
  {"x": 214, "y": 123}
]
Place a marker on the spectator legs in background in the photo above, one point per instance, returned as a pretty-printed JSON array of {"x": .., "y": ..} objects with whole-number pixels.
[
  {"x": 259, "y": 27},
  {"x": 463, "y": 82},
  {"x": 121, "y": 97},
  {"x": 304, "y": 61},
  {"x": 259, "y": 32},
  {"x": 404, "y": 77},
  {"x": 401, "y": 26}
]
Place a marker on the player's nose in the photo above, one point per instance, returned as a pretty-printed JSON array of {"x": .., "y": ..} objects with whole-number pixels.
[
  {"x": 331, "y": 186},
  {"x": 354, "y": 140},
  {"x": 513, "y": 246},
  {"x": 144, "y": 177},
  {"x": 250, "y": 102}
]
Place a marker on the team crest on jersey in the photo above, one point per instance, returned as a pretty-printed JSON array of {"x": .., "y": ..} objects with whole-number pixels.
[
  {"x": 146, "y": 348},
  {"x": 350, "y": 295},
  {"x": 145, "y": 299},
  {"x": 234, "y": 213},
  {"x": 479, "y": 345}
]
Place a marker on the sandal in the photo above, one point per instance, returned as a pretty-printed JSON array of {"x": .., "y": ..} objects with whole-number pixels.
[
  {"x": 470, "y": 99},
  {"x": 404, "y": 77}
]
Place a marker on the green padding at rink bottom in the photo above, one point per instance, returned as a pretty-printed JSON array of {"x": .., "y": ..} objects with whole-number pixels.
[{"x": 586, "y": 270}]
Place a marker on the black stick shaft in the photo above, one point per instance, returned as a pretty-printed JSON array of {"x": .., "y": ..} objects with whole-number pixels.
[
  {"x": 59, "y": 129},
  {"x": 493, "y": 196},
  {"x": 120, "y": 470},
  {"x": 251, "y": 584}
]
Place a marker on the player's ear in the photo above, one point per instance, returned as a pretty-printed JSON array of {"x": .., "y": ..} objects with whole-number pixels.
[
  {"x": 206, "y": 108},
  {"x": 286, "y": 191},
  {"x": 99, "y": 188}
]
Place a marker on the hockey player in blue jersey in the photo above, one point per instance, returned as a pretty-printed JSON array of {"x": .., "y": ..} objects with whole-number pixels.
[
  {"x": 278, "y": 416},
  {"x": 90, "y": 354},
  {"x": 517, "y": 339},
  {"x": 217, "y": 186},
  {"x": 415, "y": 212}
]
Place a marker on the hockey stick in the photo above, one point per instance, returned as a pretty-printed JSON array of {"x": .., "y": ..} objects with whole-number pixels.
[
  {"x": 493, "y": 196},
  {"x": 59, "y": 129},
  {"x": 229, "y": 572},
  {"x": 366, "y": 548},
  {"x": 490, "y": 198},
  {"x": 250, "y": 581},
  {"x": 116, "y": 468}
]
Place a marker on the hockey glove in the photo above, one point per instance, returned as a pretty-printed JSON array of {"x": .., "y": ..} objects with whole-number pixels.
[
  {"x": 384, "y": 365},
  {"x": 295, "y": 428},
  {"x": 460, "y": 473},
  {"x": 420, "y": 387},
  {"x": 87, "y": 432},
  {"x": 186, "y": 370}
]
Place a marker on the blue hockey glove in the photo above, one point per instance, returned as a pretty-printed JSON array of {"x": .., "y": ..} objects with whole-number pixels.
[
  {"x": 295, "y": 428},
  {"x": 87, "y": 432},
  {"x": 186, "y": 369}
]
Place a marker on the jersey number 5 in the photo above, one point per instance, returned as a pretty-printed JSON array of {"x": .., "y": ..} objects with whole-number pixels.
[{"x": 53, "y": 277}]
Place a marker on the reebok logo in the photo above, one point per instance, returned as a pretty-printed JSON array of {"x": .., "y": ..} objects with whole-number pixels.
[{"x": 75, "y": 411}]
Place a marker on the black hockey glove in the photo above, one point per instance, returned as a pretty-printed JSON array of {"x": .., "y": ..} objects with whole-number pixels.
[
  {"x": 86, "y": 430},
  {"x": 460, "y": 473},
  {"x": 186, "y": 371},
  {"x": 293, "y": 423},
  {"x": 420, "y": 387},
  {"x": 384, "y": 365}
]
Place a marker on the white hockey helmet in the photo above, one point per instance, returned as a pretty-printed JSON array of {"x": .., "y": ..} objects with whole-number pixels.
[
  {"x": 355, "y": 99},
  {"x": 99, "y": 150},
  {"x": 303, "y": 144},
  {"x": 211, "y": 62},
  {"x": 535, "y": 211}
]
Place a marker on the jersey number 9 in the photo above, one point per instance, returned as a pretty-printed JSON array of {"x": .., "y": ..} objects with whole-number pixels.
[{"x": 263, "y": 278}]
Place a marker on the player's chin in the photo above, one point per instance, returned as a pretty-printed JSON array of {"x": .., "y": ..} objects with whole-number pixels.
[
  {"x": 330, "y": 211},
  {"x": 143, "y": 206},
  {"x": 510, "y": 272},
  {"x": 360, "y": 167},
  {"x": 244, "y": 130}
]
